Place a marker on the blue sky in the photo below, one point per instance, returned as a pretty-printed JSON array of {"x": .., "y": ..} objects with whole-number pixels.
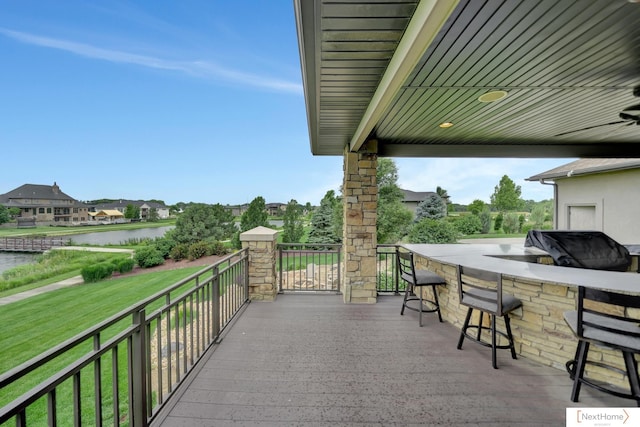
[{"x": 181, "y": 101}]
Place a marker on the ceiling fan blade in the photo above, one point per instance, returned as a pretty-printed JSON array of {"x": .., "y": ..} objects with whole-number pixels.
[{"x": 593, "y": 127}]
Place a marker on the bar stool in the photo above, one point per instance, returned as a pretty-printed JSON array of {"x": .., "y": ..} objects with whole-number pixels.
[
  {"x": 610, "y": 320},
  {"x": 482, "y": 290},
  {"x": 415, "y": 280}
]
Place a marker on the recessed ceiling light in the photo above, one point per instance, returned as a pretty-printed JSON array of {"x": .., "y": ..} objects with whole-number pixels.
[
  {"x": 493, "y": 96},
  {"x": 445, "y": 125}
]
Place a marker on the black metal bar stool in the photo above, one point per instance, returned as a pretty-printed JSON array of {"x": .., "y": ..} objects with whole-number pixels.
[
  {"x": 482, "y": 290},
  {"x": 415, "y": 280},
  {"x": 610, "y": 320}
]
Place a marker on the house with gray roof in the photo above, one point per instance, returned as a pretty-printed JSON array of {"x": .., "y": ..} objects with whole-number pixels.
[
  {"x": 597, "y": 194},
  {"x": 45, "y": 204},
  {"x": 413, "y": 198}
]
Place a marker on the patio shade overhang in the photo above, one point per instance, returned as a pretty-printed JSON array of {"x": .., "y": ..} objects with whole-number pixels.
[{"x": 396, "y": 70}]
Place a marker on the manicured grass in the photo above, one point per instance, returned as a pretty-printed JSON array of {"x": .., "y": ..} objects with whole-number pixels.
[{"x": 36, "y": 324}]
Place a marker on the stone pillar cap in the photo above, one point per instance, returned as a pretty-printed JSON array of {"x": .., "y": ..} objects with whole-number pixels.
[{"x": 260, "y": 233}]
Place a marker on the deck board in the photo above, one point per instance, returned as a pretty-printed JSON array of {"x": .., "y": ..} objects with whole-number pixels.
[{"x": 312, "y": 360}]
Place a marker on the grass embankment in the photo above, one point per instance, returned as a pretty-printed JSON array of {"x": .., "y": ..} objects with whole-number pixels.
[{"x": 50, "y": 267}]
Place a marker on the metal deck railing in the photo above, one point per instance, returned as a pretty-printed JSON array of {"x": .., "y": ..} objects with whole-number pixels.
[{"x": 123, "y": 370}]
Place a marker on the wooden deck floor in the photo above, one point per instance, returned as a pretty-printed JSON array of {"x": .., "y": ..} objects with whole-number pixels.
[{"x": 310, "y": 360}]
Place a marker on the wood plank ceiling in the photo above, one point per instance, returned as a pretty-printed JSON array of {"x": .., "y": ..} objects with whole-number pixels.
[{"x": 569, "y": 68}]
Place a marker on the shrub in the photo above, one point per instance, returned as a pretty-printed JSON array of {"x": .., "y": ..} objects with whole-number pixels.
[
  {"x": 180, "y": 251},
  {"x": 510, "y": 223},
  {"x": 468, "y": 224},
  {"x": 123, "y": 265},
  {"x": 497, "y": 226},
  {"x": 96, "y": 272},
  {"x": 217, "y": 248},
  {"x": 198, "y": 250},
  {"x": 164, "y": 246},
  {"x": 433, "y": 231},
  {"x": 485, "y": 219},
  {"x": 148, "y": 256}
]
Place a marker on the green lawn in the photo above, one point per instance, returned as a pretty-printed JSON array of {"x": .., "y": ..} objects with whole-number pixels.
[{"x": 36, "y": 324}]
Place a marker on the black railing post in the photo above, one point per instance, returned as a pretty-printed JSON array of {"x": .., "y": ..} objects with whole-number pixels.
[
  {"x": 138, "y": 376},
  {"x": 215, "y": 322}
]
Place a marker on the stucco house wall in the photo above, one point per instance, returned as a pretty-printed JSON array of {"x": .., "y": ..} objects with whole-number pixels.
[{"x": 598, "y": 194}]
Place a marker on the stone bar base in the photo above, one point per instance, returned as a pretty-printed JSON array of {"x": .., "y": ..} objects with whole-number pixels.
[{"x": 539, "y": 329}]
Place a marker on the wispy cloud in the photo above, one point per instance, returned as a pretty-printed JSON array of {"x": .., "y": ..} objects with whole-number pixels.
[{"x": 197, "y": 68}]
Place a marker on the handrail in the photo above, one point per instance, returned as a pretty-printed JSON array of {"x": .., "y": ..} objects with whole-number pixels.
[{"x": 218, "y": 293}]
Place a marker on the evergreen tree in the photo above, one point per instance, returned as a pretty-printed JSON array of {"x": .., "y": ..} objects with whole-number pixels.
[
  {"x": 255, "y": 216},
  {"x": 200, "y": 221},
  {"x": 322, "y": 230},
  {"x": 293, "y": 227},
  {"x": 432, "y": 207}
]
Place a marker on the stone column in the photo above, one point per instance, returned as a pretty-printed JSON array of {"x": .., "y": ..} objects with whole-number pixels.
[
  {"x": 360, "y": 199},
  {"x": 261, "y": 241}
]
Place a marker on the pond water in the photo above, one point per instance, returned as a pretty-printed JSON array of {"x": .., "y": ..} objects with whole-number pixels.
[
  {"x": 118, "y": 237},
  {"x": 9, "y": 260},
  {"x": 12, "y": 259}
]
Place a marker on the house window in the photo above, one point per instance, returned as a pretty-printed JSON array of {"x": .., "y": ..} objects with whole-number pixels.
[
  {"x": 41, "y": 210},
  {"x": 48, "y": 210},
  {"x": 75, "y": 210}
]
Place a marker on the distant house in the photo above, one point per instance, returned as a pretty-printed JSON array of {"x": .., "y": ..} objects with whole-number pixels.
[
  {"x": 597, "y": 194},
  {"x": 413, "y": 198},
  {"x": 107, "y": 215},
  {"x": 145, "y": 207},
  {"x": 45, "y": 204},
  {"x": 275, "y": 209}
]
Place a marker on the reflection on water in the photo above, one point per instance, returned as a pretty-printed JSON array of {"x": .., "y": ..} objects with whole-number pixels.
[
  {"x": 8, "y": 260},
  {"x": 118, "y": 237}
]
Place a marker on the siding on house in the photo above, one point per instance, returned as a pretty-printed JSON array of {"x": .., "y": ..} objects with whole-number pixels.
[{"x": 597, "y": 194}]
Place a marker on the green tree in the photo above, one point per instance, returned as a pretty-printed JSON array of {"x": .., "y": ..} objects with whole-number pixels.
[
  {"x": 506, "y": 195},
  {"x": 153, "y": 215},
  {"x": 476, "y": 206},
  {"x": 200, "y": 221},
  {"x": 322, "y": 230},
  {"x": 132, "y": 211},
  {"x": 432, "y": 207},
  {"x": 444, "y": 195},
  {"x": 4, "y": 214},
  {"x": 293, "y": 225},
  {"x": 255, "y": 216},
  {"x": 537, "y": 215},
  {"x": 393, "y": 217}
]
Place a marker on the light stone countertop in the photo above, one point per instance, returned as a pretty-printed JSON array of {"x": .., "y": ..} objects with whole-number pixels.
[{"x": 486, "y": 257}]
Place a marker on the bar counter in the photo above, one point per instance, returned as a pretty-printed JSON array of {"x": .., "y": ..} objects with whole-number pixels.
[{"x": 546, "y": 291}]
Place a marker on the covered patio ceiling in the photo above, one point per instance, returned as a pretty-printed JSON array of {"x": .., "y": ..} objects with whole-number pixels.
[{"x": 394, "y": 70}]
